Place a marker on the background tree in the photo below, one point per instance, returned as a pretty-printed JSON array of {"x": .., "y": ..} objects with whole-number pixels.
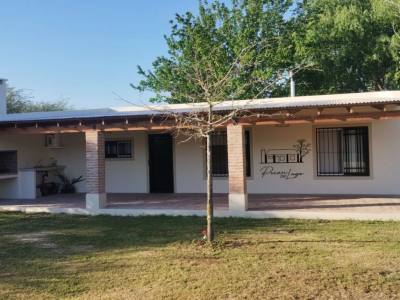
[
  {"x": 350, "y": 43},
  {"x": 261, "y": 23},
  {"x": 224, "y": 53},
  {"x": 394, "y": 8},
  {"x": 18, "y": 101}
]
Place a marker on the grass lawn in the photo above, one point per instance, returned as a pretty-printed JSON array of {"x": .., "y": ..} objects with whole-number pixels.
[{"x": 60, "y": 256}]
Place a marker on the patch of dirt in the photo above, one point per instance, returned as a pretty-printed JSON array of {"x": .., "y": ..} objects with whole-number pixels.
[
  {"x": 281, "y": 230},
  {"x": 39, "y": 239},
  {"x": 82, "y": 248},
  {"x": 235, "y": 243}
]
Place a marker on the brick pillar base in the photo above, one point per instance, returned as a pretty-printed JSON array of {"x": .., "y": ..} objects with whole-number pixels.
[
  {"x": 237, "y": 168},
  {"x": 96, "y": 197},
  {"x": 237, "y": 202},
  {"x": 96, "y": 201}
]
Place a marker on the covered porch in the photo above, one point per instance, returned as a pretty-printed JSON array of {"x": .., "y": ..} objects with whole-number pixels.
[
  {"x": 359, "y": 207},
  {"x": 281, "y": 163}
]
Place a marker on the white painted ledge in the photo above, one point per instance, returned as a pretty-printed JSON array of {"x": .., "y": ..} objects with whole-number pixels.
[{"x": 283, "y": 214}]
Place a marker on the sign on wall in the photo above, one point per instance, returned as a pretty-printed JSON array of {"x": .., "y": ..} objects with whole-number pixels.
[{"x": 294, "y": 155}]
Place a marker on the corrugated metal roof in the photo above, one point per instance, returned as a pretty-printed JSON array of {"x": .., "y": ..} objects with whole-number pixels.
[{"x": 319, "y": 101}]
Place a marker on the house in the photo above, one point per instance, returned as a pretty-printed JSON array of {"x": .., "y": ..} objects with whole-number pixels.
[{"x": 343, "y": 144}]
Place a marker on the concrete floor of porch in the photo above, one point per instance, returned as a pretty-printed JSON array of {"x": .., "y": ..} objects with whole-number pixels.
[{"x": 256, "y": 202}]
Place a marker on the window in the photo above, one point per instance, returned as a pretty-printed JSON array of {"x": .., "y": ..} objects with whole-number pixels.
[
  {"x": 343, "y": 151},
  {"x": 220, "y": 154},
  {"x": 8, "y": 162},
  {"x": 118, "y": 149},
  {"x": 248, "y": 152}
]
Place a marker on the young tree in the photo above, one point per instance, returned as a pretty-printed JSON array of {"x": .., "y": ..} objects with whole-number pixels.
[
  {"x": 224, "y": 53},
  {"x": 18, "y": 102}
]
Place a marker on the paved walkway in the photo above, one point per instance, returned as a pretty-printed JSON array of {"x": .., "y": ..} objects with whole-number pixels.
[
  {"x": 331, "y": 203},
  {"x": 166, "y": 201},
  {"x": 265, "y": 205},
  {"x": 54, "y": 201}
]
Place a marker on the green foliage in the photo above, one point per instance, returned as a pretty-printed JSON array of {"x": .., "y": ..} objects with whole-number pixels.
[
  {"x": 348, "y": 46},
  {"x": 18, "y": 102},
  {"x": 352, "y": 44},
  {"x": 242, "y": 45}
]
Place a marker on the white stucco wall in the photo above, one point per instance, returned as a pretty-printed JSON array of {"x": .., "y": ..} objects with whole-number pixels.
[
  {"x": 383, "y": 163},
  {"x": 128, "y": 175},
  {"x": 72, "y": 156},
  {"x": 122, "y": 176},
  {"x": 384, "y": 179},
  {"x": 30, "y": 148},
  {"x": 190, "y": 169},
  {"x": 31, "y": 152},
  {"x": 131, "y": 175}
]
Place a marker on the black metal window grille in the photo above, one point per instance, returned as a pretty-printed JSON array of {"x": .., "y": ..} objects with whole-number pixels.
[
  {"x": 118, "y": 149},
  {"x": 248, "y": 152},
  {"x": 343, "y": 151},
  {"x": 220, "y": 154}
]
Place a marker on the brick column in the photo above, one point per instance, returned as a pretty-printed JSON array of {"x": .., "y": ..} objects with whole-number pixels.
[
  {"x": 95, "y": 170},
  {"x": 237, "y": 168}
]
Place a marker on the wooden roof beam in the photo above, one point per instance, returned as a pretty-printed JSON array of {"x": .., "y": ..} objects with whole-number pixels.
[
  {"x": 268, "y": 122},
  {"x": 291, "y": 112},
  {"x": 298, "y": 121},
  {"x": 381, "y": 107},
  {"x": 328, "y": 120},
  {"x": 350, "y": 109}
]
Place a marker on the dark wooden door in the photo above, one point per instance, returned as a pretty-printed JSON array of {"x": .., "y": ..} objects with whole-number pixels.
[{"x": 161, "y": 163}]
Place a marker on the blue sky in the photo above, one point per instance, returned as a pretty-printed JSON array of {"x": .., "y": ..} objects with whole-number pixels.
[{"x": 83, "y": 50}]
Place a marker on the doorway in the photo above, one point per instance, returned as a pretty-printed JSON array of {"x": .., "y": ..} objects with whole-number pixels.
[{"x": 161, "y": 163}]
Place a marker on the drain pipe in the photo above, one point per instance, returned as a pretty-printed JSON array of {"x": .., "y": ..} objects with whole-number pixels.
[
  {"x": 292, "y": 84},
  {"x": 3, "y": 96}
]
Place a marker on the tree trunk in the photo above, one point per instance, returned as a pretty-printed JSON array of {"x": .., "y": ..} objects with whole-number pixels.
[{"x": 210, "y": 208}]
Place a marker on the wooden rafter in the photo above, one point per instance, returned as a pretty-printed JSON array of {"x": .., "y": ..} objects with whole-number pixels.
[
  {"x": 379, "y": 107},
  {"x": 157, "y": 125}
]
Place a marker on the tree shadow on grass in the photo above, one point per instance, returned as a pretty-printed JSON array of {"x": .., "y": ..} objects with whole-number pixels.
[
  {"x": 102, "y": 233},
  {"x": 32, "y": 244}
]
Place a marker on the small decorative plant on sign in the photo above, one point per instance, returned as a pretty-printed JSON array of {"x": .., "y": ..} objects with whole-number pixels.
[{"x": 67, "y": 184}]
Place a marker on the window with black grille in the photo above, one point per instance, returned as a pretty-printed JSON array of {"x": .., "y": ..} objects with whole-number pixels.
[
  {"x": 8, "y": 162},
  {"x": 220, "y": 154},
  {"x": 118, "y": 149},
  {"x": 343, "y": 151}
]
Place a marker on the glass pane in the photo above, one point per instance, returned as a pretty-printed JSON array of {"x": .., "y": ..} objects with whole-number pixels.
[
  {"x": 111, "y": 149},
  {"x": 329, "y": 151},
  {"x": 124, "y": 149},
  {"x": 248, "y": 153},
  {"x": 219, "y": 154},
  {"x": 356, "y": 160}
]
